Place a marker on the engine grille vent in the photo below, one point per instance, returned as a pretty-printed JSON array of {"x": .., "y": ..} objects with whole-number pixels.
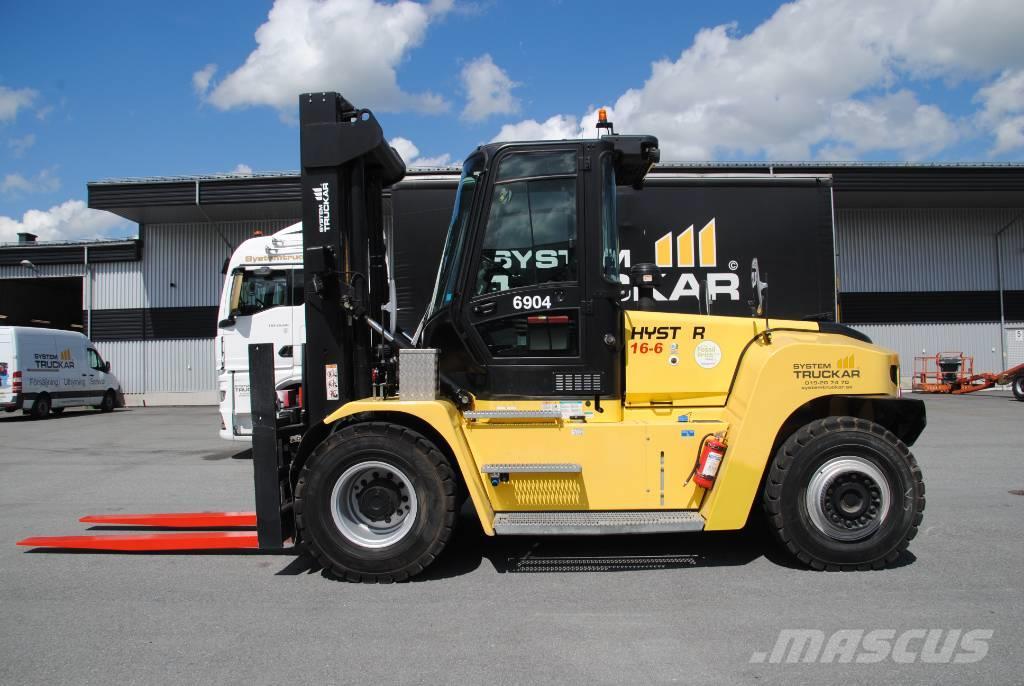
[{"x": 579, "y": 383}]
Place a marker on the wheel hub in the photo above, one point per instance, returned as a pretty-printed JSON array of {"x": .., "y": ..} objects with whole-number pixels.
[
  {"x": 848, "y": 498},
  {"x": 851, "y": 500},
  {"x": 373, "y": 504},
  {"x": 378, "y": 500}
]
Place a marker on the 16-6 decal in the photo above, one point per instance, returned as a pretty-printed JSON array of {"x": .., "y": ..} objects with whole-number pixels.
[{"x": 531, "y": 302}]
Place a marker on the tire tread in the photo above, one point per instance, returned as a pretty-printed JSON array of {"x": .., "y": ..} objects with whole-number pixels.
[
  {"x": 437, "y": 460},
  {"x": 783, "y": 461}
]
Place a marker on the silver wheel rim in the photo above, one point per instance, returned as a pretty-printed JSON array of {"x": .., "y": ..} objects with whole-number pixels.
[
  {"x": 848, "y": 498},
  {"x": 351, "y": 518}
]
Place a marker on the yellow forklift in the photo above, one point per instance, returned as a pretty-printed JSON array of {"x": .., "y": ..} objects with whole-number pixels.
[{"x": 529, "y": 390}]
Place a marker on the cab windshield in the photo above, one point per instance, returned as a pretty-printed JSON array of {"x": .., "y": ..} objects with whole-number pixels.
[{"x": 454, "y": 244}]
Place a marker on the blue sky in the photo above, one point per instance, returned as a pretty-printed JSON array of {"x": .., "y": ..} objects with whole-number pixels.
[{"x": 124, "y": 89}]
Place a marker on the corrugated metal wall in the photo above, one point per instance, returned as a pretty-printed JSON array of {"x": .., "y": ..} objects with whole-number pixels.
[
  {"x": 178, "y": 366},
  {"x": 889, "y": 250},
  {"x": 116, "y": 285},
  {"x": 913, "y": 340},
  {"x": 191, "y": 257},
  {"x": 16, "y": 271}
]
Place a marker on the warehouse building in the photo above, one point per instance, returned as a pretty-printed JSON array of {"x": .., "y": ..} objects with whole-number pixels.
[{"x": 929, "y": 258}]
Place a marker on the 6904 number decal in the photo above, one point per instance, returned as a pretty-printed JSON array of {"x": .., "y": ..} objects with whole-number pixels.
[{"x": 531, "y": 302}]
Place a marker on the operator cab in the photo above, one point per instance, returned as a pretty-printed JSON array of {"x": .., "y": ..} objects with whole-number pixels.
[{"x": 526, "y": 301}]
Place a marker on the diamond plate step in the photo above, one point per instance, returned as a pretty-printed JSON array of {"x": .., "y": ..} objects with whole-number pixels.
[
  {"x": 596, "y": 523},
  {"x": 509, "y": 468}
]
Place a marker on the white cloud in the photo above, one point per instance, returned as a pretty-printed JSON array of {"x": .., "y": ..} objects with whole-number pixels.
[
  {"x": 71, "y": 220},
  {"x": 12, "y": 100},
  {"x": 488, "y": 90},
  {"x": 816, "y": 77},
  {"x": 411, "y": 154},
  {"x": 241, "y": 168},
  {"x": 201, "y": 79},
  {"x": 43, "y": 182},
  {"x": 18, "y": 146},
  {"x": 893, "y": 122},
  {"x": 351, "y": 46},
  {"x": 1002, "y": 111},
  {"x": 553, "y": 128}
]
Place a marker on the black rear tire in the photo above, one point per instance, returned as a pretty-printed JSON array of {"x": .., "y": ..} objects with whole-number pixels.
[
  {"x": 41, "y": 407},
  {"x": 844, "y": 493},
  {"x": 418, "y": 474},
  {"x": 107, "y": 404},
  {"x": 1018, "y": 388}
]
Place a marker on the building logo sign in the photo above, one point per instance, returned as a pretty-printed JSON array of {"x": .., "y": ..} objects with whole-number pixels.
[
  {"x": 685, "y": 251},
  {"x": 322, "y": 196}
]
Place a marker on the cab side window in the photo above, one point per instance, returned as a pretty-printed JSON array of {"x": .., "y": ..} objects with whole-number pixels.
[
  {"x": 530, "y": 236},
  {"x": 95, "y": 361}
]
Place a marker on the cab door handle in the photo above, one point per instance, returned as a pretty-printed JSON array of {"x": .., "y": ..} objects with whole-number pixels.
[{"x": 485, "y": 308}]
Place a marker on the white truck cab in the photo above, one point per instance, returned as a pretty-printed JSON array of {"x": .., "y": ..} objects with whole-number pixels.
[
  {"x": 44, "y": 371},
  {"x": 261, "y": 302}
]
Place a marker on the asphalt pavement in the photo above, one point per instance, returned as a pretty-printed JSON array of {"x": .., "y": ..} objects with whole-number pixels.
[{"x": 695, "y": 608}]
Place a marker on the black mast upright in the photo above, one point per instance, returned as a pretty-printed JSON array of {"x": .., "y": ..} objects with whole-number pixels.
[{"x": 346, "y": 161}]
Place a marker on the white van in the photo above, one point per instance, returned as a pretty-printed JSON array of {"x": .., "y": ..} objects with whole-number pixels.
[{"x": 42, "y": 371}]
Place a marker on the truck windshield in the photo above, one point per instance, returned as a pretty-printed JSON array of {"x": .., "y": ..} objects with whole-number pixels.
[
  {"x": 454, "y": 244},
  {"x": 263, "y": 289}
]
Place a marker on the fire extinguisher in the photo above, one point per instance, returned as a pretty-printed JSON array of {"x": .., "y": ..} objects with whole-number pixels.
[{"x": 709, "y": 460}]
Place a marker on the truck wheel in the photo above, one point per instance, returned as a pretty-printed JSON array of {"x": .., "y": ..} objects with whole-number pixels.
[
  {"x": 375, "y": 502},
  {"x": 41, "y": 407},
  {"x": 1018, "y": 388},
  {"x": 107, "y": 404},
  {"x": 844, "y": 493}
]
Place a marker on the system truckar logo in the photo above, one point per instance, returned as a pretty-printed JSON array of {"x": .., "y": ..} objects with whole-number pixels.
[
  {"x": 691, "y": 249},
  {"x": 322, "y": 195}
]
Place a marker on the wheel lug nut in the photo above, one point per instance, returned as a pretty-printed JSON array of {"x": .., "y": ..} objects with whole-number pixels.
[
  {"x": 387, "y": 520},
  {"x": 405, "y": 498},
  {"x": 376, "y": 475}
]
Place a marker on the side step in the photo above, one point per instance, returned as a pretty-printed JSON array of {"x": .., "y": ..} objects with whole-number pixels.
[{"x": 596, "y": 523}]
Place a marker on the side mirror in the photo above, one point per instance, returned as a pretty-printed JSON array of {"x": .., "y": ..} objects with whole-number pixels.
[
  {"x": 106, "y": 367},
  {"x": 759, "y": 288}
]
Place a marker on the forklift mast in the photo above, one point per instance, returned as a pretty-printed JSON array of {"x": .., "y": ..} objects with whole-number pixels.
[{"x": 346, "y": 162}]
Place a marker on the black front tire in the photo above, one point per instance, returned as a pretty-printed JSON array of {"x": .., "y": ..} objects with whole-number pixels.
[
  {"x": 108, "y": 402},
  {"x": 844, "y": 462},
  {"x": 41, "y": 407},
  {"x": 409, "y": 455},
  {"x": 1018, "y": 388}
]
